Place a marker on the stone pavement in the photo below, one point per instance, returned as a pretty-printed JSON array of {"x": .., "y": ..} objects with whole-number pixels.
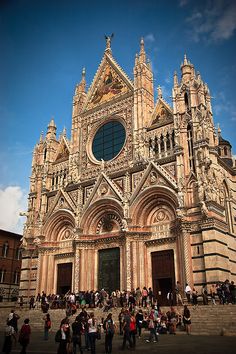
[{"x": 168, "y": 344}]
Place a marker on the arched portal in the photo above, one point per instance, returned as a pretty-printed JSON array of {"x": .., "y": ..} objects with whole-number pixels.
[
  {"x": 56, "y": 258},
  {"x": 154, "y": 211},
  {"x": 102, "y": 222}
]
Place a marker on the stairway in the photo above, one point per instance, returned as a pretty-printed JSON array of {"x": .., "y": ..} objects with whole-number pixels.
[{"x": 206, "y": 320}]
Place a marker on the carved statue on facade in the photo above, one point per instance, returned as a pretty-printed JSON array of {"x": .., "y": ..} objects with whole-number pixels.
[{"x": 124, "y": 225}]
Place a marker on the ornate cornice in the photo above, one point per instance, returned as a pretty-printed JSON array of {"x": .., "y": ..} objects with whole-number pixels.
[
  {"x": 64, "y": 255},
  {"x": 160, "y": 241}
]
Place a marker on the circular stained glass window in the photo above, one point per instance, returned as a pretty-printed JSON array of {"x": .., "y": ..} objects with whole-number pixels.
[{"x": 108, "y": 141}]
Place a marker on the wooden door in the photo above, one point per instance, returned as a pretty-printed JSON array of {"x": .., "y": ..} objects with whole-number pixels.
[{"x": 163, "y": 274}]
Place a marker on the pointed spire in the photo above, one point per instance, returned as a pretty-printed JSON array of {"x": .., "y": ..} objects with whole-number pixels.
[
  {"x": 81, "y": 87},
  {"x": 185, "y": 60},
  {"x": 52, "y": 123},
  {"x": 41, "y": 137},
  {"x": 64, "y": 132},
  {"x": 136, "y": 59},
  {"x": 176, "y": 79},
  {"x": 51, "y": 130},
  {"x": 142, "y": 54}
]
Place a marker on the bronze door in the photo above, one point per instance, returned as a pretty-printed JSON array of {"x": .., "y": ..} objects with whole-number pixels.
[
  {"x": 109, "y": 269},
  {"x": 64, "y": 278},
  {"x": 163, "y": 275}
]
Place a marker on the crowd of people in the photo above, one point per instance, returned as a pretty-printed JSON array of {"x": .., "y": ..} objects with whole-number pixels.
[
  {"x": 140, "y": 311},
  {"x": 82, "y": 331},
  {"x": 224, "y": 292},
  {"x": 86, "y": 328}
]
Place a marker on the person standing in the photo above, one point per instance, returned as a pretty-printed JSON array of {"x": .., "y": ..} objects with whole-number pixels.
[
  {"x": 213, "y": 294},
  {"x": 126, "y": 330},
  {"x": 133, "y": 329},
  {"x": 24, "y": 336},
  {"x": 187, "y": 319},
  {"x": 64, "y": 336},
  {"x": 76, "y": 335},
  {"x": 92, "y": 332},
  {"x": 13, "y": 320},
  {"x": 178, "y": 292},
  {"x": 139, "y": 322},
  {"x": 144, "y": 296},
  {"x": 109, "y": 330},
  {"x": 152, "y": 328},
  {"x": 47, "y": 325},
  {"x": 188, "y": 292},
  {"x": 9, "y": 334}
]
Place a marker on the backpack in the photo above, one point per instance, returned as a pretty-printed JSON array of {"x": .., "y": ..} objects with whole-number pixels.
[{"x": 58, "y": 336}]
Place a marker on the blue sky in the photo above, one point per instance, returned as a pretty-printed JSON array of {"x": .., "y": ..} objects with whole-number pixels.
[{"x": 45, "y": 44}]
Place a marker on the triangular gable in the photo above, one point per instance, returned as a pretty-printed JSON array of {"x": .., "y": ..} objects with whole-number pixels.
[
  {"x": 109, "y": 82},
  {"x": 155, "y": 175},
  {"x": 103, "y": 188},
  {"x": 63, "y": 150},
  {"x": 61, "y": 201},
  {"x": 162, "y": 112},
  {"x": 192, "y": 177}
]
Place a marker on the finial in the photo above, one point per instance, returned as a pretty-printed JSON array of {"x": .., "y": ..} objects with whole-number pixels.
[
  {"x": 64, "y": 131},
  {"x": 136, "y": 59},
  {"x": 159, "y": 92},
  {"x": 142, "y": 55},
  {"x": 142, "y": 45},
  {"x": 83, "y": 74},
  {"x": 185, "y": 60},
  {"x": 175, "y": 79},
  {"x": 219, "y": 130},
  {"x": 108, "y": 42},
  {"x": 51, "y": 123}
]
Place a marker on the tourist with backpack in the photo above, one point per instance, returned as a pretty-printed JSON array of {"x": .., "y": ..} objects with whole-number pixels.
[{"x": 109, "y": 328}]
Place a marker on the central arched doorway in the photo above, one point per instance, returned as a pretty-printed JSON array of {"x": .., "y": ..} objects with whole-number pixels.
[{"x": 109, "y": 269}]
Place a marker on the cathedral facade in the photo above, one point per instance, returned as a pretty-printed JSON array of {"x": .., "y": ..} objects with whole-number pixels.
[{"x": 141, "y": 194}]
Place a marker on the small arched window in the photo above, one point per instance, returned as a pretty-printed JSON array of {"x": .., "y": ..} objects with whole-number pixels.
[
  {"x": 225, "y": 151},
  {"x": 186, "y": 100},
  {"x": 173, "y": 138},
  {"x": 2, "y": 275},
  {"x": 16, "y": 276},
  {"x": 18, "y": 253},
  {"x": 190, "y": 147},
  {"x": 168, "y": 141},
  {"x": 162, "y": 143},
  {"x": 5, "y": 249},
  {"x": 45, "y": 154}
]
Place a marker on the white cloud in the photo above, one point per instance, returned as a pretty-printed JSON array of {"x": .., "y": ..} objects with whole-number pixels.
[
  {"x": 215, "y": 22},
  {"x": 183, "y": 3},
  {"x": 224, "y": 106},
  {"x": 149, "y": 38},
  {"x": 13, "y": 200}
]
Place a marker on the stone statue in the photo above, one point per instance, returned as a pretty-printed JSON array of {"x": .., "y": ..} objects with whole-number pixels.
[
  {"x": 204, "y": 208},
  {"x": 124, "y": 225}
]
